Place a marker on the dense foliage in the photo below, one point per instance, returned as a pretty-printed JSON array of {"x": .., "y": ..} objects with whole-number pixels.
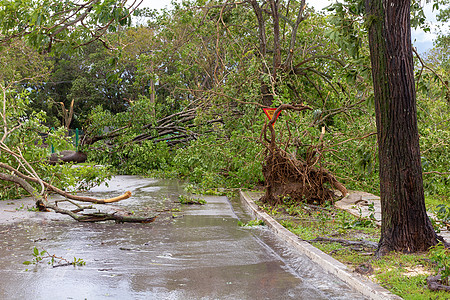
[{"x": 208, "y": 58}]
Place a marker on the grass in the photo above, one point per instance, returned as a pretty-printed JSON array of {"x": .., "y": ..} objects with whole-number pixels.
[
  {"x": 189, "y": 200},
  {"x": 402, "y": 274},
  {"x": 251, "y": 223},
  {"x": 432, "y": 202}
]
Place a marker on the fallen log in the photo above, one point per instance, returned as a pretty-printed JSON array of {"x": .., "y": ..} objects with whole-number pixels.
[
  {"x": 67, "y": 156},
  {"x": 101, "y": 216},
  {"x": 52, "y": 188}
]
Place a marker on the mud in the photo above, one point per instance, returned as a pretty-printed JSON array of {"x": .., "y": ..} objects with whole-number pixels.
[{"x": 202, "y": 253}]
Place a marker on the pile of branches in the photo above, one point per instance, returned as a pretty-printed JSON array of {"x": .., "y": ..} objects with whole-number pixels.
[
  {"x": 297, "y": 179},
  {"x": 177, "y": 128}
]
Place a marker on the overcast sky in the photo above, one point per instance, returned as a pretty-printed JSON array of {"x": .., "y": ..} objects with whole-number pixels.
[
  {"x": 158, "y": 4},
  {"x": 422, "y": 40}
]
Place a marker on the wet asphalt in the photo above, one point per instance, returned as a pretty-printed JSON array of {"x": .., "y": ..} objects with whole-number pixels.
[{"x": 198, "y": 252}]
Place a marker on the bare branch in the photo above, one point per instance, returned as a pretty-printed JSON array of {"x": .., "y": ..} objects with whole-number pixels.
[
  {"x": 425, "y": 66},
  {"x": 61, "y": 192}
]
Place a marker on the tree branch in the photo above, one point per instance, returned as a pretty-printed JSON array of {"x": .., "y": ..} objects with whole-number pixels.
[{"x": 363, "y": 243}]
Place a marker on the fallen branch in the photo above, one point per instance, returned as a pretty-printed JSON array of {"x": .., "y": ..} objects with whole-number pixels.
[
  {"x": 434, "y": 284},
  {"x": 100, "y": 216},
  {"x": 363, "y": 243},
  {"x": 24, "y": 184},
  {"x": 24, "y": 178},
  {"x": 43, "y": 204}
]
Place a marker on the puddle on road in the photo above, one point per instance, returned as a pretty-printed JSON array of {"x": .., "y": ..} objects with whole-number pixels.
[{"x": 202, "y": 255}]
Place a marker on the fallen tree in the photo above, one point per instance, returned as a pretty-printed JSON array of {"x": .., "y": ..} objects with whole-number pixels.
[
  {"x": 17, "y": 138},
  {"x": 177, "y": 128},
  {"x": 44, "y": 205}
]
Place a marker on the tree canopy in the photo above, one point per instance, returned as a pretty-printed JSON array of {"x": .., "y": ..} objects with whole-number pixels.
[{"x": 182, "y": 93}]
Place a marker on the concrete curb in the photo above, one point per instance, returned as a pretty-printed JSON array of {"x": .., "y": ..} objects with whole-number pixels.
[{"x": 356, "y": 281}]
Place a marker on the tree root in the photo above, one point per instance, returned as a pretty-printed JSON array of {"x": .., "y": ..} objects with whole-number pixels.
[
  {"x": 364, "y": 269},
  {"x": 363, "y": 243},
  {"x": 295, "y": 178},
  {"x": 434, "y": 284}
]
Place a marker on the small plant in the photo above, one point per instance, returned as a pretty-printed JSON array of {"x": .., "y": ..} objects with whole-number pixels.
[
  {"x": 250, "y": 223},
  {"x": 188, "y": 200},
  {"x": 55, "y": 261},
  {"x": 322, "y": 217},
  {"x": 21, "y": 207},
  {"x": 190, "y": 188},
  {"x": 271, "y": 210},
  {"x": 441, "y": 258},
  {"x": 365, "y": 222}
]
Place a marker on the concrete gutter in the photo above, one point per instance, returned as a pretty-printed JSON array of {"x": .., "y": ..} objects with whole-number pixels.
[{"x": 355, "y": 280}]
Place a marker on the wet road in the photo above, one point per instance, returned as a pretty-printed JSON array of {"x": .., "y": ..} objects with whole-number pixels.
[{"x": 203, "y": 254}]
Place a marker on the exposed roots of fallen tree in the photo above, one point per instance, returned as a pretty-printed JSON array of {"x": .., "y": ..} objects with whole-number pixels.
[
  {"x": 286, "y": 176},
  {"x": 294, "y": 178}
]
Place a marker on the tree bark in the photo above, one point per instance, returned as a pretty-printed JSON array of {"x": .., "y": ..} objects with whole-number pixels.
[{"x": 405, "y": 224}]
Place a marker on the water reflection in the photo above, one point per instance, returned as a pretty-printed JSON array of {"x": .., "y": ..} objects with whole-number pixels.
[{"x": 203, "y": 255}]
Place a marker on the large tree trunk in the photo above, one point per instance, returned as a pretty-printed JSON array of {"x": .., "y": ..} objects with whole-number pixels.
[{"x": 405, "y": 224}]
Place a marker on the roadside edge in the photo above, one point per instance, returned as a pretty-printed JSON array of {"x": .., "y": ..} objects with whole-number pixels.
[{"x": 363, "y": 285}]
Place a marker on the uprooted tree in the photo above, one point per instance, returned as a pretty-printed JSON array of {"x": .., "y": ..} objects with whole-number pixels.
[{"x": 300, "y": 179}]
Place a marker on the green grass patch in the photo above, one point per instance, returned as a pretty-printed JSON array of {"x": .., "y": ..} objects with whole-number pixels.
[
  {"x": 402, "y": 274},
  {"x": 251, "y": 223},
  {"x": 189, "y": 200}
]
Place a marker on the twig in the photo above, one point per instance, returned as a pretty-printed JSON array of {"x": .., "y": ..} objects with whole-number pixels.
[
  {"x": 429, "y": 68},
  {"x": 436, "y": 172}
]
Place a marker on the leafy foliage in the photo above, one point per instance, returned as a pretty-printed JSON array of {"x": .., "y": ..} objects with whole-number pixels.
[
  {"x": 251, "y": 223},
  {"x": 189, "y": 200},
  {"x": 440, "y": 255},
  {"x": 53, "y": 260},
  {"x": 50, "y": 25},
  {"x": 207, "y": 55},
  {"x": 24, "y": 133}
]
